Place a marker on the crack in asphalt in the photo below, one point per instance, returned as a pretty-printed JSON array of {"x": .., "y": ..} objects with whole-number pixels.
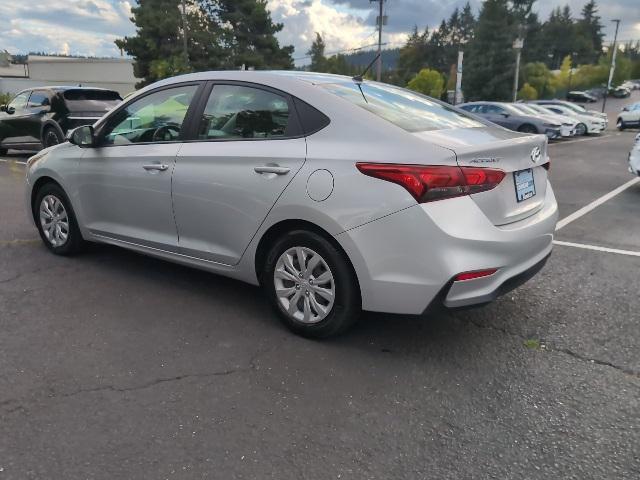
[
  {"x": 250, "y": 366},
  {"x": 551, "y": 347}
]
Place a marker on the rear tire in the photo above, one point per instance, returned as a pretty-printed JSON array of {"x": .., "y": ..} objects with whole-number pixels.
[
  {"x": 56, "y": 221},
  {"x": 528, "y": 128},
  {"x": 311, "y": 285},
  {"x": 51, "y": 137}
]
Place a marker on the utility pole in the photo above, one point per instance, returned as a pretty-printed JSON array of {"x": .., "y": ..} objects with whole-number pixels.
[
  {"x": 517, "y": 45},
  {"x": 573, "y": 54},
  {"x": 381, "y": 20},
  {"x": 185, "y": 53},
  {"x": 613, "y": 65},
  {"x": 457, "y": 95}
]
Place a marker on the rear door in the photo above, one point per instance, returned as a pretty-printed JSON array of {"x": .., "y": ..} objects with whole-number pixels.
[{"x": 247, "y": 147}]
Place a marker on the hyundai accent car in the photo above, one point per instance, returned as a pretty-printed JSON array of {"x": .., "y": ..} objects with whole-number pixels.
[
  {"x": 41, "y": 117},
  {"x": 333, "y": 194},
  {"x": 508, "y": 116}
]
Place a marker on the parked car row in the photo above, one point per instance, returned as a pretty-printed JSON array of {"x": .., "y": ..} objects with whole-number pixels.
[
  {"x": 553, "y": 118},
  {"x": 592, "y": 95},
  {"x": 41, "y": 117}
]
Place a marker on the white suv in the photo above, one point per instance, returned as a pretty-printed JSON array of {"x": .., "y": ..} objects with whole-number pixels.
[{"x": 629, "y": 116}]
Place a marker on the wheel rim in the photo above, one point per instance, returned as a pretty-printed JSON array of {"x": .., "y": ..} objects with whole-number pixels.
[
  {"x": 51, "y": 139},
  {"x": 581, "y": 128},
  {"x": 305, "y": 287},
  {"x": 54, "y": 220}
]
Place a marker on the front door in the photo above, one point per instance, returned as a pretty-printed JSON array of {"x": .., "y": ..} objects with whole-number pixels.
[
  {"x": 124, "y": 185},
  {"x": 227, "y": 180}
]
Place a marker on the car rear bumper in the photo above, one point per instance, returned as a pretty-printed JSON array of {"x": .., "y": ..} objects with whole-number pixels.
[{"x": 408, "y": 260}]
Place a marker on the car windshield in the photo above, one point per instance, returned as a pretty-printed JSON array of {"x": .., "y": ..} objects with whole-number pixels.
[
  {"x": 86, "y": 99},
  {"x": 406, "y": 109}
]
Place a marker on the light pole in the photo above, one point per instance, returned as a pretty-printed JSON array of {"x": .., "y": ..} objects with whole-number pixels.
[
  {"x": 381, "y": 20},
  {"x": 517, "y": 45},
  {"x": 185, "y": 53},
  {"x": 571, "y": 71},
  {"x": 613, "y": 65}
]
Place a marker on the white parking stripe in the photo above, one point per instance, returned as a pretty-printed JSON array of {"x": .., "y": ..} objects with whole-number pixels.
[
  {"x": 11, "y": 160},
  {"x": 596, "y": 203},
  {"x": 597, "y": 248},
  {"x": 601, "y": 137}
]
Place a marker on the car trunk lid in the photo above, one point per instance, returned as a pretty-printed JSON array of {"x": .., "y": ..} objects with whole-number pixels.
[{"x": 521, "y": 157}]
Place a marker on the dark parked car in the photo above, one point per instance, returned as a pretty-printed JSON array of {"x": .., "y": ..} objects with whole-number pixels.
[
  {"x": 579, "y": 96},
  {"x": 41, "y": 117},
  {"x": 620, "y": 92},
  {"x": 509, "y": 117}
]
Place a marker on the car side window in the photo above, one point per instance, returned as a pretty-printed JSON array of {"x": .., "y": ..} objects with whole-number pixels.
[
  {"x": 157, "y": 117},
  {"x": 239, "y": 112},
  {"x": 493, "y": 109},
  {"x": 19, "y": 102},
  {"x": 38, "y": 99}
]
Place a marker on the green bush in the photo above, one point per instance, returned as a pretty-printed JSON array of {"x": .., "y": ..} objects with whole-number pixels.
[
  {"x": 527, "y": 92},
  {"x": 429, "y": 82},
  {"x": 5, "y": 98}
]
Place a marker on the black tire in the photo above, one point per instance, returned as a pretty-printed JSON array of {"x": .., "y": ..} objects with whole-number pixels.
[
  {"x": 581, "y": 129},
  {"x": 51, "y": 136},
  {"x": 347, "y": 301},
  {"x": 74, "y": 241},
  {"x": 527, "y": 128},
  {"x": 620, "y": 125}
]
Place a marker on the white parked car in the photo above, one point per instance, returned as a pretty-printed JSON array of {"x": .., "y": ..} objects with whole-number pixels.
[
  {"x": 634, "y": 157},
  {"x": 586, "y": 123},
  {"x": 629, "y": 116},
  {"x": 567, "y": 124}
]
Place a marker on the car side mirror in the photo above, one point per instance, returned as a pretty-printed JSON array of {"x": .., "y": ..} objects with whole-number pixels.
[
  {"x": 82, "y": 136},
  {"x": 7, "y": 109},
  {"x": 505, "y": 114}
]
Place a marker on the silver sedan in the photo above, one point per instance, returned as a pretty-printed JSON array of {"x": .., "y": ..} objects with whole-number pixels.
[{"x": 332, "y": 193}]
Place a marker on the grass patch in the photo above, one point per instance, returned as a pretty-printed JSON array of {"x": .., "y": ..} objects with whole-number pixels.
[{"x": 532, "y": 343}]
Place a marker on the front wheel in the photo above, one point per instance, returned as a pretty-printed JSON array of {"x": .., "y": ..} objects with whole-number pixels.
[
  {"x": 581, "y": 129},
  {"x": 311, "y": 285},
  {"x": 56, "y": 221},
  {"x": 620, "y": 124}
]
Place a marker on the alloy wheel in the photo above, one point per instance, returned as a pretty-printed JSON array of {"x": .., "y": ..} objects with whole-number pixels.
[
  {"x": 304, "y": 285},
  {"x": 54, "y": 220}
]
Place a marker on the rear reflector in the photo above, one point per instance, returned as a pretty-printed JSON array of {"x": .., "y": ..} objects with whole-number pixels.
[
  {"x": 461, "y": 277},
  {"x": 427, "y": 183}
]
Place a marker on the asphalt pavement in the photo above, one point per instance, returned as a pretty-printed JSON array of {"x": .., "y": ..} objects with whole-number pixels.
[{"x": 115, "y": 365}]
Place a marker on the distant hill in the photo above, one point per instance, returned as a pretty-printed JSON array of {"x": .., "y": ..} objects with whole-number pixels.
[{"x": 364, "y": 58}]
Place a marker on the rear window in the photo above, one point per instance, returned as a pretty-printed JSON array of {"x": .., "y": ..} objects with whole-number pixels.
[
  {"x": 404, "y": 108},
  {"x": 86, "y": 94}
]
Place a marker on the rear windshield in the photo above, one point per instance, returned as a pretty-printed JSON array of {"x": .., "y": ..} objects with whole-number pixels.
[
  {"x": 86, "y": 94},
  {"x": 87, "y": 100},
  {"x": 404, "y": 108}
]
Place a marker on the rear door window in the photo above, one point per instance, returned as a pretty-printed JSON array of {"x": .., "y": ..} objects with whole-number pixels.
[{"x": 239, "y": 112}]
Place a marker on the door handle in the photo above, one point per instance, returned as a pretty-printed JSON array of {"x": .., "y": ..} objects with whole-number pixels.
[
  {"x": 272, "y": 169},
  {"x": 156, "y": 166}
]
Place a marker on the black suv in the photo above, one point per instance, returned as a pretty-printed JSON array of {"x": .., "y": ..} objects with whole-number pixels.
[{"x": 40, "y": 117}]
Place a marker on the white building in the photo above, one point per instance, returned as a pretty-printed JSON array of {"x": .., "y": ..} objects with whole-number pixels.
[{"x": 112, "y": 73}]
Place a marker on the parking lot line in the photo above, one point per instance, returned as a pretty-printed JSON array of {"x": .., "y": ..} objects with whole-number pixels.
[
  {"x": 596, "y": 203},
  {"x": 597, "y": 248},
  {"x": 590, "y": 139},
  {"x": 11, "y": 160}
]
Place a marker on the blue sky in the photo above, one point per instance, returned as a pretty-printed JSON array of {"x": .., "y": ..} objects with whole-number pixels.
[{"x": 89, "y": 27}]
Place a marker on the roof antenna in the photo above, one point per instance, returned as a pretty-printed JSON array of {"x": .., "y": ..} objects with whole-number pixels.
[{"x": 359, "y": 78}]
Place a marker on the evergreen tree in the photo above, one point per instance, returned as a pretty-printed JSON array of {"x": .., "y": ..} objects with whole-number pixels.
[
  {"x": 316, "y": 52},
  {"x": 490, "y": 63},
  {"x": 250, "y": 39},
  {"x": 413, "y": 55},
  {"x": 157, "y": 45},
  {"x": 589, "y": 31},
  {"x": 467, "y": 24}
]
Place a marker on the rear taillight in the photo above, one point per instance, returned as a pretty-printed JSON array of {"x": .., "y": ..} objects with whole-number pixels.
[
  {"x": 462, "y": 277},
  {"x": 435, "y": 182}
]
